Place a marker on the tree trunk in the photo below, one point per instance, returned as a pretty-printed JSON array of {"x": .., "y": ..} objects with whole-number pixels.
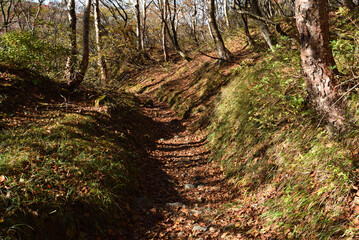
[
  {"x": 101, "y": 59},
  {"x": 80, "y": 75},
  {"x": 143, "y": 29},
  {"x": 262, "y": 26},
  {"x": 72, "y": 59},
  {"x": 164, "y": 32},
  {"x": 317, "y": 59},
  {"x": 226, "y": 13},
  {"x": 138, "y": 26},
  {"x": 223, "y": 52},
  {"x": 246, "y": 31},
  {"x": 173, "y": 36}
]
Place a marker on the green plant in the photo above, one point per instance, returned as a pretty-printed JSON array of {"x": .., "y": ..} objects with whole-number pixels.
[{"x": 27, "y": 50}]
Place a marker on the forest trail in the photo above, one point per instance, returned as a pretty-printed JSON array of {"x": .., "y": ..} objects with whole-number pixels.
[{"x": 183, "y": 192}]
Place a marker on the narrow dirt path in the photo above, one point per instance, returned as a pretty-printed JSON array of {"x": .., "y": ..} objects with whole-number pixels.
[{"x": 182, "y": 191}]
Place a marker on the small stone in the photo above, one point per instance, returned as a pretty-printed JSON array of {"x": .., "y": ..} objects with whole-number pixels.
[
  {"x": 189, "y": 186},
  {"x": 199, "y": 228},
  {"x": 212, "y": 229},
  {"x": 356, "y": 200},
  {"x": 197, "y": 177},
  {"x": 175, "y": 204},
  {"x": 229, "y": 227},
  {"x": 181, "y": 235},
  {"x": 196, "y": 212},
  {"x": 200, "y": 187},
  {"x": 176, "y": 136},
  {"x": 199, "y": 238},
  {"x": 200, "y": 199}
]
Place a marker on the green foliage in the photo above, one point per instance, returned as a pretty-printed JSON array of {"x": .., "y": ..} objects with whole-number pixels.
[
  {"x": 27, "y": 50},
  {"x": 73, "y": 171},
  {"x": 268, "y": 141}
]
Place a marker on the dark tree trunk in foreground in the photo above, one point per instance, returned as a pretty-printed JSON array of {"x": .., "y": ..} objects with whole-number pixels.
[
  {"x": 80, "y": 75},
  {"x": 317, "y": 59},
  {"x": 72, "y": 59},
  {"x": 223, "y": 52}
]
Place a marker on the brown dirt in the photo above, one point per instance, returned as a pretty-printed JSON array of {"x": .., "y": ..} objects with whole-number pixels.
[{"x": 167, "y": 208}]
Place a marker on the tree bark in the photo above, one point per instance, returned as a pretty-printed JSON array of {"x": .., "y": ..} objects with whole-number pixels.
[
  {"x": 262, "y": 26},
  {"x": 101, "y": 59},
  {"x": 72, "y": 59},
  {"x": 226, "y": 13},
  {"x": 164, "y": 32},
  {"x": 138, "y": 26},
  {"x": 317, "y": 59},
  {"x": 223, "y": 52},
  {"x": 80, "y": 75}
]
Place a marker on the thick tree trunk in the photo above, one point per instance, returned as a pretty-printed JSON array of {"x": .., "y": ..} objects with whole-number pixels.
[
  {"x": 80, "y": 75},
  {"x": 101, "y": 59},
  {"x": 72, "y": 59},
  {"x": 223, "y": 52},
  {"x": 262, "y": 26},
  {"x": 317, "y": 59}
]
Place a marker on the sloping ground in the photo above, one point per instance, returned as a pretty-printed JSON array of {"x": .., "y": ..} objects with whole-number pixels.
[
  {"x": 184, "y": 196},
  {"x": 67, "y": 168},
  {"x": 294, "y": 180}
]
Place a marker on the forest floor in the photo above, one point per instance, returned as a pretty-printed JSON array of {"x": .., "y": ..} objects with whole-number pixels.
[{"x": 185, "y": 196}]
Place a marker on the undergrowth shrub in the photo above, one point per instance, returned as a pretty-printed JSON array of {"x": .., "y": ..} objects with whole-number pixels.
[
  {"x": 27, "y": 50},
  {"x": 270, "y": 144}
]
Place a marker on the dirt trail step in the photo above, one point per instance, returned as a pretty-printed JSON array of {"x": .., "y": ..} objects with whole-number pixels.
[{"x": 183, "y": 192}]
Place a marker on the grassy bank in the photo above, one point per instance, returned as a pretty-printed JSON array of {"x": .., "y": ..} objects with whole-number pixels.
[
  {"x": 296, "y": 179},
  {"x": 67, "y": 168}
]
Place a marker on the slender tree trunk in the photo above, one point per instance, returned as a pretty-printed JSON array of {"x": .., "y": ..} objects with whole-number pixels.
[
  {"x": 101, "y": 59},
  {"x": 80, "y": 75},
  {"x": 262, "y": 26},
  {"x": 246, "y": 31},
  {"x": 317, "y": 59},
  {"x": 143, "y": 29},
  {"x": 72, "y": 59},
  {"x": 226, "y": 13},
  {"x": 138, "y": 26},
  {"x": 173, "y": 36},
  {"x": 164, "y": 32},
  {"x": 223, "y": 52}
]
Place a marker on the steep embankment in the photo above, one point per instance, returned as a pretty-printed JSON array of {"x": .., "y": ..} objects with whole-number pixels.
[{"x": 292, "y": 179}]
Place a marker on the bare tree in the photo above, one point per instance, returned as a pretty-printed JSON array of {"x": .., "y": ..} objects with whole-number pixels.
[
  {"x": 223, "y": 52},
  {"x": 7, "y": 12},
  {"x": 80, "y": 75},
  {"x": 98, "y": 29},
  {"x": 31, "y": 18},
  {"x": 72, "y": 59},
  {"x": 317, "y": 59},
  {"x": 262, "y": 25}
]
